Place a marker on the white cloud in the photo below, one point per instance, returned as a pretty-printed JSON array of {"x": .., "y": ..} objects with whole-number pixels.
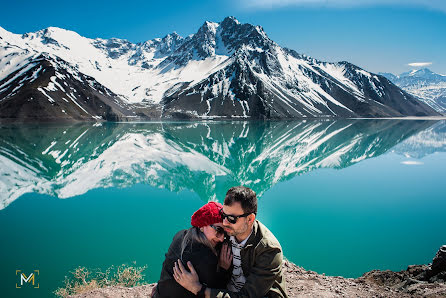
[
  {"x": 271, "y": 4},
  {"x": 412, "y": 163},
  {"x": 419, "y": 64}
]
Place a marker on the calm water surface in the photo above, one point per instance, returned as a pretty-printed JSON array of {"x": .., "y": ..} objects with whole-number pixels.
[{"x": 342, "y": 197}]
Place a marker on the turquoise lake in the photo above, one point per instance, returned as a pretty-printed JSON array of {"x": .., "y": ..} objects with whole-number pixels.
[{"x": 343, "y": 197}]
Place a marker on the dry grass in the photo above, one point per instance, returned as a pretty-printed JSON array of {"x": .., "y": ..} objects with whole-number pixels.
[{"x": 82, "y": 280}]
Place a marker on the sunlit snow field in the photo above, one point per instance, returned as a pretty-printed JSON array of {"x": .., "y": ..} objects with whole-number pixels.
[{"x": 342, "y": 197}]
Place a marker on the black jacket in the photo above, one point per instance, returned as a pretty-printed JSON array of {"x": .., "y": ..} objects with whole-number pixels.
[
  {"x": 262, "y": 261},
  {"x": 202, "y": 258}
]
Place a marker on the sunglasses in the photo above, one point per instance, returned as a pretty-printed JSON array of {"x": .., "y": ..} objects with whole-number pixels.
[
  {"x": 219, "y": 230},
  {"x": 232, "y": 219}
]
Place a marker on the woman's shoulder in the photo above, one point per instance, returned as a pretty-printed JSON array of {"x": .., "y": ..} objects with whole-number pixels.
[
  {"x": 199, "y": 253},
  {"x": 175, "y": 245},
  {"x": 179, "y": 235}
]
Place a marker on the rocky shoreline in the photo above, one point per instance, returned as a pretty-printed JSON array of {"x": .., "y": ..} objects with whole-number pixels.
[{"x": 415, "y": 281}]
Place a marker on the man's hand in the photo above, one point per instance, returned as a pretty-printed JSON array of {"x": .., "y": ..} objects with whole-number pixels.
[
  {"x": 225, "y": 256},
  {"x": 189, "y": 281}
]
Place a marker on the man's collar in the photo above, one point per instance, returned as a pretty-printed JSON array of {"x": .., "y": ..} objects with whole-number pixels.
[
  {"x": 241, "y": 244},
  {"x": 251, "y": 238}
]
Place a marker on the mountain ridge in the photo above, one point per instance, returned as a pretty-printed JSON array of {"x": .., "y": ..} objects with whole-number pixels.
[
  {"x": 424, "y": 84},
  {"x": 224, "y": 70}
]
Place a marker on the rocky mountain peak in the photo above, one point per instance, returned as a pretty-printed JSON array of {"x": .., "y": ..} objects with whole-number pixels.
[
  {"x": 51, "y": 31},
  {"x": 206, "y": 34},
  {"x": 174, "y": 36},
  {"x": 421, "y": 73},
  {"x": 236, "y": 35},
  {"x": 55, "y": 33},
  {"x": 165, "y": 45},
  {"x": 170, "y": 42},
  {"x": 197, "y": 46},
  {"x": 49, "y": 35},
  {"x": 208, "y": 27},
  {"x": 224, "y": 38},
  {"x": 425, "y": 71},
  {"x": 229, "y": 22},
  {"x": 114, "y": 47}
]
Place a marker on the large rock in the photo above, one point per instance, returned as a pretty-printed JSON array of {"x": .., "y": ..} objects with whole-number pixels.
[
  {"x": 439, "y": 261},
  {"x": 416, "y": 280}
]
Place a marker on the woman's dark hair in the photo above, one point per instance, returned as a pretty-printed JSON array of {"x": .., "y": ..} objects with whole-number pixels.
[
  {"x": 194, "y": 234},
  {"x": 245, "y": 196}
]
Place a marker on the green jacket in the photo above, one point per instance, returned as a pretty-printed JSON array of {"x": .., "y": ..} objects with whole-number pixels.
[{"x": 262, "y": 260}]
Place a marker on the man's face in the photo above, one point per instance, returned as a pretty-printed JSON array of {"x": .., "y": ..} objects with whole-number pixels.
[{"x": 241, "y": 226}]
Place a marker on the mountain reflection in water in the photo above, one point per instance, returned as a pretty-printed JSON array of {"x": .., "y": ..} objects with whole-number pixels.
[{"x": 204, "y": 157}]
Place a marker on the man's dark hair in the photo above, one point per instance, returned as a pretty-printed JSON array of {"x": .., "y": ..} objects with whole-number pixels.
[{"x": 245, "y": 196}]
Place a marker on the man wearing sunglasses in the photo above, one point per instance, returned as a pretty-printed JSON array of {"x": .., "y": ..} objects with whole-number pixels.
[{"x": 257, "y": 255}]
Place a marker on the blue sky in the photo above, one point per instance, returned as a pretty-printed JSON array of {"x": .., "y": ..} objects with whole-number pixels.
[{"x": 378, "y": 35}]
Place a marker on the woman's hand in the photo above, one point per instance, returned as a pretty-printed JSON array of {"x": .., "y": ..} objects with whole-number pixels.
[
  {"x": 225, "y": 256},
  {"x": 187, "y": 280}
]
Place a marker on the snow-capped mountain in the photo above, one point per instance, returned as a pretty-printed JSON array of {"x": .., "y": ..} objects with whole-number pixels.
[
  {"x": 426, "y": 142},
  {"x": 226, "y": 69},
  {"x": 206, "y": 158},
  {"x": 424, "y": 84},
  {"x": 49, "y": 88}
]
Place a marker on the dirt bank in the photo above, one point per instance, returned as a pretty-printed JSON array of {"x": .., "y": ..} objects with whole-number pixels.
[{"x": 416, "y": 281}]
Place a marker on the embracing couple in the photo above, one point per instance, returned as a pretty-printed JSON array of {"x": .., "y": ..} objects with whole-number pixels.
[{"x": 226, "y": 253}]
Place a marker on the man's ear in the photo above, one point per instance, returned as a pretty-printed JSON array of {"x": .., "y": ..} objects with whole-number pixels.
[{"x": 251, "y": 218}]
